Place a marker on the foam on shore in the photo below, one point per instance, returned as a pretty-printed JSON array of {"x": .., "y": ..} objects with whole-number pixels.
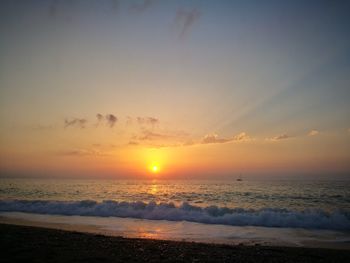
[{"x": 266, "y": 217}]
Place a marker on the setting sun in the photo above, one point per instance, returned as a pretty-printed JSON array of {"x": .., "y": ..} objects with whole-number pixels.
[{"x": 155, "y": 168}]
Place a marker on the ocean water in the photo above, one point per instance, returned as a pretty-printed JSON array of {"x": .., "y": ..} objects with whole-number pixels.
[{"x": 323, "y": 205}]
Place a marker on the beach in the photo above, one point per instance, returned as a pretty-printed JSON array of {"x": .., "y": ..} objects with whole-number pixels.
[
  {"x": 251, "y": 213},
  {"x": 36, "y": 244}
]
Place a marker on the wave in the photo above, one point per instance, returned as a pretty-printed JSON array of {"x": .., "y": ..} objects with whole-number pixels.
[{"x": 266, "y": 217}]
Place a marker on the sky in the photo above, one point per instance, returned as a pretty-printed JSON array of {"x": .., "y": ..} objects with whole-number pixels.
[{"x": 208, "y": 89}]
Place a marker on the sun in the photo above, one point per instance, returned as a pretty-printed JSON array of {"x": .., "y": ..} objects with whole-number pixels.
[
  {"x": 155, "y": 168},
  {"x": 154, "y": 162}
]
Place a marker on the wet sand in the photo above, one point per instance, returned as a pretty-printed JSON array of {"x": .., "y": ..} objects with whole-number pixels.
[
  {"x": 184, "y": 231},
  {"x": 35, "y": 244}
]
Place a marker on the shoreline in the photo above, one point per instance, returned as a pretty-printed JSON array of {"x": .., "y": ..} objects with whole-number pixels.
[
  {"x": 183, "y": 231},
  {"x": 39, "y": 244}
]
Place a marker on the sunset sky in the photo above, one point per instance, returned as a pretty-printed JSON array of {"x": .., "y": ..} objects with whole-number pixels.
[{"x": 194, "y": 88}]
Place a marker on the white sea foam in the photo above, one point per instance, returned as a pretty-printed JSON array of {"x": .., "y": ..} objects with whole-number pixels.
[{"x": 268, "y": 217}]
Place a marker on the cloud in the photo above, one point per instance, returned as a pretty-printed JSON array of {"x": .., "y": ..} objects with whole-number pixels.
[
  {"x": 111, "y": 120},
  {"x": 143, "y": 121},
  {"x": 185, "y": 19},
  {"x": 82, "y": 153},
  {"x": 164, "y": 145},
  {"x": 242, "y": 137},
  {"x": 213, "y": 138},
  {"x": 180, "y": 138},
  {"x": 153, "y": 144},
  {"x": 76, "y": 122},
  {"x": 141, "y": 6},
  {"x": 99, "y": 117},
  {"x": 313, "y": 133},
  {"x": 279, "y": 137},
  {"x": 147, "y": 121},
  {"x": 150, "y": 136},
  {"x": 159, "y": 138}
]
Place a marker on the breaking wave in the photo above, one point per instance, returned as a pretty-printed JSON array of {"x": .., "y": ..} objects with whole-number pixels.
[{"x": 267, "y": 217}]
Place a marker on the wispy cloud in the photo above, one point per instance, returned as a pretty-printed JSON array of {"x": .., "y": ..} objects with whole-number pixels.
[
  {"x": 313, "y": 133},
  {"x": 180, "y": 138},
  {"x": 82, "y": 153},
  {"x": 157, "y": 138},
  {"x": 99, "y": 117},
  {"x": 214, "y": 138},
  {"x": 147, "y": 121},
  {"x": 185, "y": 19},
  {"x": 111, "y": 120},
  {"x": 151, "y": 136},
  {"x": 279, "y": 137},
  {"x": 76, "y": 122},
  {"x": 155, "y": 144},
  {"x": 242, "y": 137}
]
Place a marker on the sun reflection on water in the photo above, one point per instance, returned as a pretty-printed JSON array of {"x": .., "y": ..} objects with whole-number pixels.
[
  {"x": 153, "y": 188},
  {"x": 153, "y": 233}
]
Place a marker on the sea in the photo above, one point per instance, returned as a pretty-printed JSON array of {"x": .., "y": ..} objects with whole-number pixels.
[{"x": 268, "y": 212}]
